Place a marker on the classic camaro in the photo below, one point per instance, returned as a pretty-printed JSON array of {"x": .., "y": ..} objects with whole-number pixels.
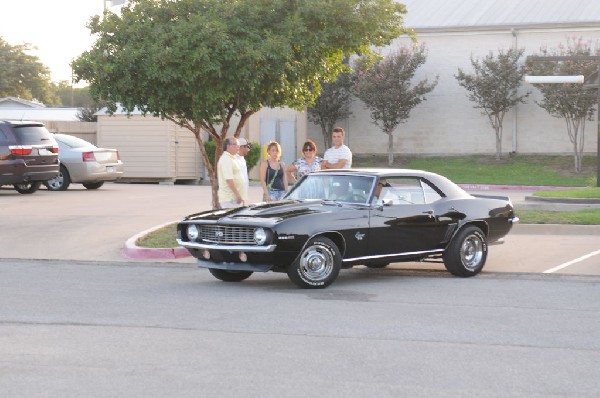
[{"x": 337, "y": 219}]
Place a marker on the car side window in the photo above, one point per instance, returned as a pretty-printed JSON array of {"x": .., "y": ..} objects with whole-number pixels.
[
  {"x": 401, "y": 191},
  {"x": 406, "y": 191},
  {"x": 430, "y": 194}
]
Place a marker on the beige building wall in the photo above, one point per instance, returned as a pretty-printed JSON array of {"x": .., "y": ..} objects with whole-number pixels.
[{"x": 447, "y": 123}]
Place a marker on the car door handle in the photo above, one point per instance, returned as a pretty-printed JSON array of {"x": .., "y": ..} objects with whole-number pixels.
[{"x": 429, "y": 212}]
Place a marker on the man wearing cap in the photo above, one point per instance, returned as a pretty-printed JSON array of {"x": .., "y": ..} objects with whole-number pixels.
[
  {"x": 232, "y": 186},
  {"x": 239, "y": 156}
]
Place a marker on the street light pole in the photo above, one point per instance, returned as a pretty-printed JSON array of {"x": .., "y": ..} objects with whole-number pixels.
[
  {"x": 535, "y": 58},
  {"x": 598, "y": 131}
]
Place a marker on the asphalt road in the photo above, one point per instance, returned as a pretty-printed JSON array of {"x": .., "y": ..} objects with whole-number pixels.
[
  {"x": 84, "y": 329},
  {"x": 77, "y": 318}
]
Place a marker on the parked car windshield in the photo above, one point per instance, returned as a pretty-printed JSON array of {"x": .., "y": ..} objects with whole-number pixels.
[
  {"x": 33, "y": 135},
  {"x": 72, "y": 141},
  {"x": 326, "y": 186}
]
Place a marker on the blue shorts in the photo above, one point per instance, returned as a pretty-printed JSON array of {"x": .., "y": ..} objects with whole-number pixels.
[{"x": 276, "y": 194}]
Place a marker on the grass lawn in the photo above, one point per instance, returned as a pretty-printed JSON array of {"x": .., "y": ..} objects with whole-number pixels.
[
  {"x": 583, "y": 193},
  {"x": 163, "y": 237},
  {"x": 533, "y": 170},
  {"x": 580, "y": 217}
]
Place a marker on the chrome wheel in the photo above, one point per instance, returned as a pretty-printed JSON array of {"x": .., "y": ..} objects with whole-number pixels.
[
  {"x": 317, "y": 266},
  {"x": 471, "y": 252},
  {"x": 467, "y": 252},
  {"x": 316, "y": 263}
]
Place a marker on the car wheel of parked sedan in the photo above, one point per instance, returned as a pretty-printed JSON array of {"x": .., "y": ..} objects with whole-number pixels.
[
  {"x": 93, "y": 185},
  {"x": 61, "y": 182},
  {"x": 27, "y": 187},
  {"x": 317, "y": 266},
  {"x": 467, "y": 252},
  {"x": 230, "y": 276}
]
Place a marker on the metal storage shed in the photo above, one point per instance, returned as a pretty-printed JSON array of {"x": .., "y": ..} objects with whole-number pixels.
[{"x": 151, "y": 149}]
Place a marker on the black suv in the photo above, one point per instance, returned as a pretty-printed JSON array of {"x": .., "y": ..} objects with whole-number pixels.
[{"x": 28, "y": 155}]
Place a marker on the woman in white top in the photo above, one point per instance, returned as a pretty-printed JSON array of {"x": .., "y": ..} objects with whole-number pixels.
[{"x": 308, "y": 163}]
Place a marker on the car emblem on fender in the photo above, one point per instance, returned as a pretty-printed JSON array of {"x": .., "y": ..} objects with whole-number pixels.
[{"x": 359, "y": 236}]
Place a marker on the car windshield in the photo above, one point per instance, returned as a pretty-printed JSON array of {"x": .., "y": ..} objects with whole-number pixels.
[
  {"x": 33, "y": 135},
  {"x": 72, "y": 141},
  {"x": 338, "y": 187}
]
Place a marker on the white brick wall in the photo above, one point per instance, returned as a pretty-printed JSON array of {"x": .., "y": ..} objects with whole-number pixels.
[{"x": 447, "y": 123}]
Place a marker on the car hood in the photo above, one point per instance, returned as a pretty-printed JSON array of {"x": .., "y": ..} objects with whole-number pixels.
[{"x": 266, "y": 214}]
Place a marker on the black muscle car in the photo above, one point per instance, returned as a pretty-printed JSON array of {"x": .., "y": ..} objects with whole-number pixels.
[{"x": 341, "y": 218}]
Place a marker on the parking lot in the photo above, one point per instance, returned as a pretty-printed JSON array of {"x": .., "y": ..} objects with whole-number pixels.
[{"x": 78, "y": 224}]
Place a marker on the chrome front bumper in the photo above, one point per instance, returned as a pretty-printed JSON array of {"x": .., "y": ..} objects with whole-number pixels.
[
  {"x": 232, "y": 248},
  {"x": 238, "y": 266}
]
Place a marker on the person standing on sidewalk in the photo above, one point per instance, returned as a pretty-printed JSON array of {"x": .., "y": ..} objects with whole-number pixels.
[
  {"x": 240, "y": 157},
  {"x": 272, "y": 174},
  {"x": 233, "y": 191},
  {"x": 308, "y": 163},
  {"x": 339, "y": 155}
]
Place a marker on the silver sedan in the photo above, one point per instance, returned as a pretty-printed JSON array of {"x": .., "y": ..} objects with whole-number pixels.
[{"x": 85, "y": 163}]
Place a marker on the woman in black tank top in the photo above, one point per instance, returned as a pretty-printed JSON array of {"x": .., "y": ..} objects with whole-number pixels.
[{"x": 272, "y": 176}]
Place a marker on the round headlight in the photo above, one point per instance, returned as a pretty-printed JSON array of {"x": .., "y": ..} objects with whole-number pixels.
[
  {"x": 192, "y": 232},
  {"x": 260, "y": 236}
]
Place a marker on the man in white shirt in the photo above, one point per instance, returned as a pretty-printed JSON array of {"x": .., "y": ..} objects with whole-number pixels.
[
  {"x": 232, "y": 186},
  {"x": 339, "y": 155},
  {"x": 240, "y": 157}
]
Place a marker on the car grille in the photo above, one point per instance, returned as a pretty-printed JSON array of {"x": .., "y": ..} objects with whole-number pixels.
[{"x": 228, "y": 235}]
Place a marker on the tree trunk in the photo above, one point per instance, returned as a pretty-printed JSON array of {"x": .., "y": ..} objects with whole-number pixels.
[
  {"x": 390, "y": 148},
  {"x": 498, "y": 128},
  {"x": 327, "y": 135},
  {"x": 210, "y": 168},
  {"x": 576, "y": 139}
]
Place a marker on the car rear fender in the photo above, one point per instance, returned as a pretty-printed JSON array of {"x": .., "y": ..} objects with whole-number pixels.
[{"x": 477, "y": 223}]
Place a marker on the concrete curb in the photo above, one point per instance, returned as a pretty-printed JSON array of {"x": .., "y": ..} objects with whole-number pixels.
[
  {"x": 131, "y": 250},
  {"x": 488, "y": 187},
  {"x": 581, "y": 201}
]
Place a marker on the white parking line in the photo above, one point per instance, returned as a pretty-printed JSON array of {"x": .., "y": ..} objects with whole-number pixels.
[{"x": 565, "y": 265}]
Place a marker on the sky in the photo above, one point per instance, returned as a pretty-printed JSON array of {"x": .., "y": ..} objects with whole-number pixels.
[{"x": 57, "y": 28}]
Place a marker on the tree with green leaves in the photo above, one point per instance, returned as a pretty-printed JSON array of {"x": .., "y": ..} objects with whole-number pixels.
[
  {"x": 493, "y": 87},
  {"x": 569, "y": 101},
  {"x": 74, "y": 97},
  {"x": 23, "y": 75},
  {"x": 385, "y": 87},
  {"x": 332, "y": 105},
  {"x": 208, "y": 65},
  {"x": 88, "y": 113}
]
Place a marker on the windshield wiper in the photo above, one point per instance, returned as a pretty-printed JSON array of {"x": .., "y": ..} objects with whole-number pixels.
[{"x": 331, "y": 202}]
